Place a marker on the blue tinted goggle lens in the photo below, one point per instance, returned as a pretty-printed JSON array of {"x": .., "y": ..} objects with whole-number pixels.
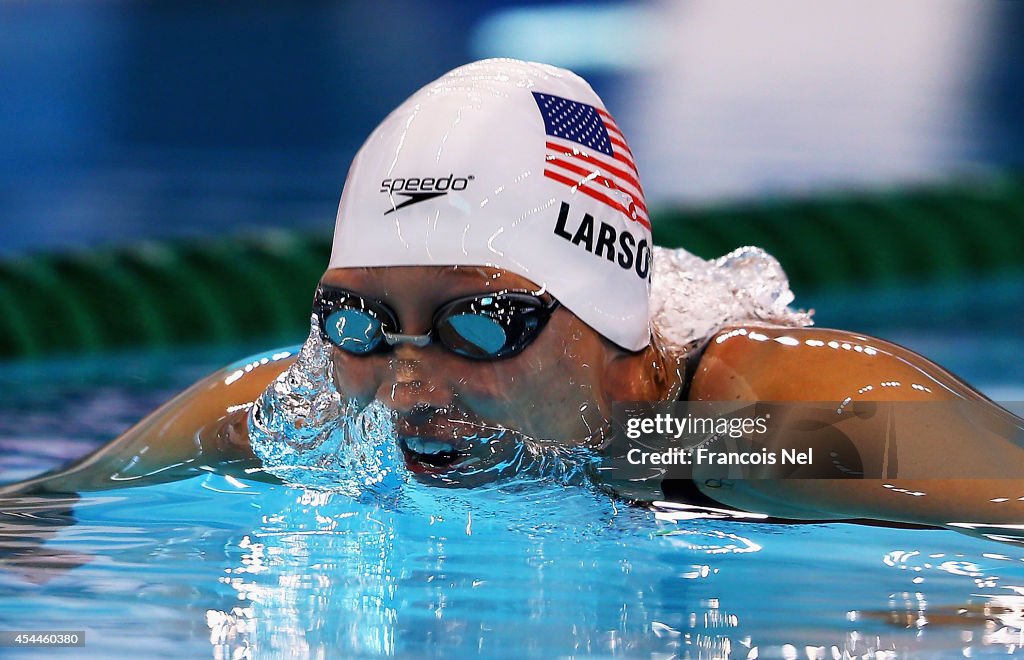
[
  {"x": 353, "y": 330},
  {"x": 473, "y": 335}
]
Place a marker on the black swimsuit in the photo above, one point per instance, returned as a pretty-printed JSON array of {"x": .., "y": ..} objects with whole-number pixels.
[{"x": 685, "y": 491}]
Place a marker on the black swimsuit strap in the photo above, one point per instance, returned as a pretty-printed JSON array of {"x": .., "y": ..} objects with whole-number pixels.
[{"x": 693, "y": 359}]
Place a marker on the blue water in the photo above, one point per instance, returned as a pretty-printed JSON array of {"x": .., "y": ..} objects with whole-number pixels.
[{"x": 214, "y": 567}]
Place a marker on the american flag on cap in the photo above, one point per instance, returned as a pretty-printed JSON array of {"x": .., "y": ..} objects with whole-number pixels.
[{"x": 587, "y": 152}]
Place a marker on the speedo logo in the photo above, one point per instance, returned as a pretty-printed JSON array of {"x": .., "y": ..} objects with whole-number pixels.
[{"x": 420, "y": 189}]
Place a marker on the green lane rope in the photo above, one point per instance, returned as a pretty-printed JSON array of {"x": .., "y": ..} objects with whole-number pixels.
[
  {"x": 888, "y": 238},
  {"x": 259, "y": 287},
  {"x": 19, "y": 337}
]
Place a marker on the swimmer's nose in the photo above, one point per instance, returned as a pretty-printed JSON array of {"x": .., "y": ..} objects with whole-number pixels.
[
  {"x": 414, "y": 397},
  {"x": 411, "y": 390}
]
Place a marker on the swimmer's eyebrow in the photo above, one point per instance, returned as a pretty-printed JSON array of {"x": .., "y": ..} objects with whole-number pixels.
[{"x": 331, "y": 288}]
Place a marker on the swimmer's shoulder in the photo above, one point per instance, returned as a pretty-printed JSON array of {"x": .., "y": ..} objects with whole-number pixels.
[
  {"x": 202, "y": 426},
  {"x": 250, "y": 376},
  {"x": 753, "y": 362},
  {"x": 230, "y": 389},
  {"x": 222, "y": 400},
  {"x": 214, "y": 409}
]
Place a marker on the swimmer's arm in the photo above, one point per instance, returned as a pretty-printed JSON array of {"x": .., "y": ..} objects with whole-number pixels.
[
  {"x": 811, "y": 364},
  {"x": 203, "y": 428}
]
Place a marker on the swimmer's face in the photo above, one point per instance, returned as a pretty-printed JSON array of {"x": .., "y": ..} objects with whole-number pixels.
[{"x": 456, "y": 413}]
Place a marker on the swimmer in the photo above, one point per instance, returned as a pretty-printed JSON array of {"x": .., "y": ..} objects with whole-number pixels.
[{"x": 493, "y": 282}]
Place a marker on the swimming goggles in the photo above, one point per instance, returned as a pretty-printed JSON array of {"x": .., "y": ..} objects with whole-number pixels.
[{"x": 486, "y": 326}]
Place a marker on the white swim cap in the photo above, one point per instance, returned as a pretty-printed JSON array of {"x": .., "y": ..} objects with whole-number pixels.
[{"x": 514, "y": 165}]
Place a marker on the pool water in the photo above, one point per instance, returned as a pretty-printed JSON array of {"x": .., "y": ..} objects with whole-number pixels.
[{"x": 216, "y": 567}]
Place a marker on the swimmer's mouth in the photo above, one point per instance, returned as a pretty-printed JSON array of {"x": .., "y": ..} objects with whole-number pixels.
[{"x": 429, "y": 452}]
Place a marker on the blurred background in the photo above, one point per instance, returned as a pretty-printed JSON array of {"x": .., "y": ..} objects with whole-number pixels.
[{"x": 165, "y": 164}]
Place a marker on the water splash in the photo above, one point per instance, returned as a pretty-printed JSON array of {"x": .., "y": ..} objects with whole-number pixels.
[
  {"x": 691, "y": 298},
  {"x": 306, "y": 434}
]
